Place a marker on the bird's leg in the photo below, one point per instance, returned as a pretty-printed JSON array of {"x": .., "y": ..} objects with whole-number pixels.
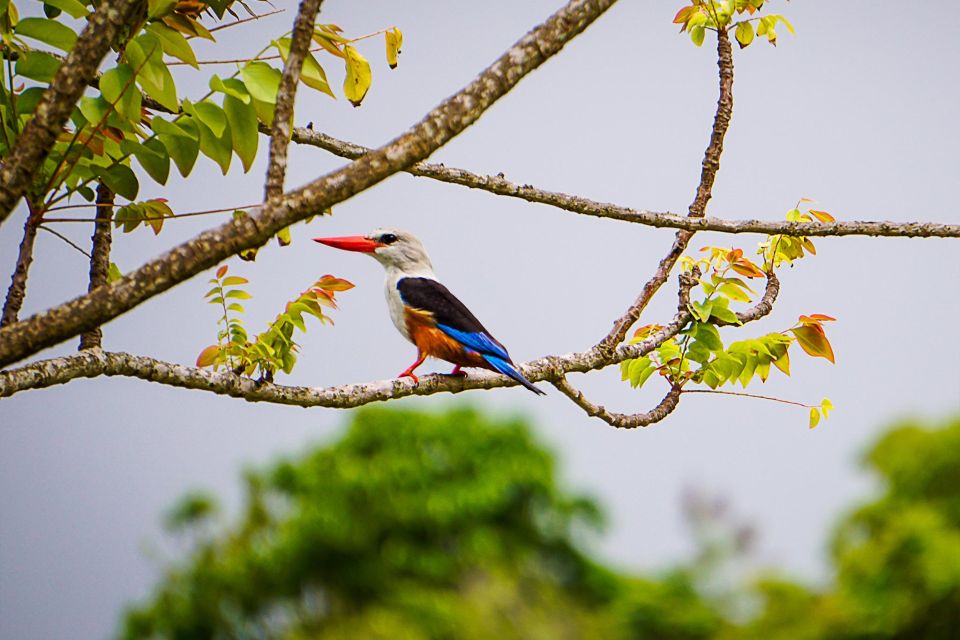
[
  {"x": 457, "y": 372},
  {"x": 421, "y": 356}
]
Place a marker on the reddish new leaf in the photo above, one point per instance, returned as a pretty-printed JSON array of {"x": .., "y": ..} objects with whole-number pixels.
[
  {"x": 814, "y": 341},
  {"x": 208, "y": 356},
  {"x": 331, "y": 283}
]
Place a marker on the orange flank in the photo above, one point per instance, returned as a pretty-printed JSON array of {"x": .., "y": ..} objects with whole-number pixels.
[{"x": 433, "y": 342}]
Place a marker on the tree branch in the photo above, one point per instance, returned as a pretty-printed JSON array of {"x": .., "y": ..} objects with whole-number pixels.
[
  {"x": 99, "y": 257},
  {"x": 95, "y": 363},
  {"x": 499, "y": 185},
  {"x": 621, "y": 420},
  {"x": 708, "y": 174},
  {"x": 18, "y": 281},
  {"x": 204, "y": 251},
  {"x": 57, "y": 102},
  {"x": 283, "y": 114}
]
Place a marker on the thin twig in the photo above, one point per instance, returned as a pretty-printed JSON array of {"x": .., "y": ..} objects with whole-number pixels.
[
  {"x": 65, "y": 239},
  {"x": 748, "y": 395},
  {"x": 243, "y": 20}
]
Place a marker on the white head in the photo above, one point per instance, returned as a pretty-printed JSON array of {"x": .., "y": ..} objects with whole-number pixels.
[{"x": 395, "y": 249}]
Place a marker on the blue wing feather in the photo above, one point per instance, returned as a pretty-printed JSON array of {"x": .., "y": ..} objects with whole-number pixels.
[
  {"x": 476, "y": 341},
  {"x": 491, "y": 351}
]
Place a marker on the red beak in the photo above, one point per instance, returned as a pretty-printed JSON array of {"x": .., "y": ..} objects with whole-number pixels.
[{"x": 350, "y": 243}]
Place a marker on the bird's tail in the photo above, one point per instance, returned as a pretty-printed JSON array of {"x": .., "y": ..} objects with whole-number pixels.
[{"x": 508, "y": 370}]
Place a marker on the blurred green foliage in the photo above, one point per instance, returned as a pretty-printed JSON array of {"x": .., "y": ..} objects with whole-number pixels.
[{"x": 454, "y": 525}]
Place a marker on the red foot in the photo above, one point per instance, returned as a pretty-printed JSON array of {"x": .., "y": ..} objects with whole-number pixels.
[
  {"x": 457, "y": 372},
  {"x": 409, "y": 372}
]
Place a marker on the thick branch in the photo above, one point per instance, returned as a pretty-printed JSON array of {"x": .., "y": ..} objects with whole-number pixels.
[
  {"x": 99, "y": 257},
  {"x": 283, "y": 115},
  {"x": 451, "y": 117},
  {"x": 500, "y": 186},
  {"x": 40, "y": 133},
  {"x": 708, "y": 174},
  {"x": 621, "y": 420}
]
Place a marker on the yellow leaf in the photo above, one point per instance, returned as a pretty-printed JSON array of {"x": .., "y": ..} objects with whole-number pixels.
[
  {"x": 814, "y": 417},
  {"x": 822, "y": 216},
  {"x": 744, "y": 34},
  {"x": 826, "y": 406},
  {"x": 358, "y": 79},
  {"x": 394, "y": 38}
]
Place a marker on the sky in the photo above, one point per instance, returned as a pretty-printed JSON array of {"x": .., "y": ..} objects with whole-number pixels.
[{"x": 857, "y": 111}]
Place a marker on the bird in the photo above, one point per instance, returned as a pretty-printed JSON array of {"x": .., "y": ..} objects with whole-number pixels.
[{"x": 424, "y": 311}]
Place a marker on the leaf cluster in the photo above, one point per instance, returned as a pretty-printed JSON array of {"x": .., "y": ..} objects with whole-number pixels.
[
  {"x": 122, "y": 119},
  {"x": 702, "y": 15},
  {"x": 275, "y": 348},
  {"x": 697, "y": 355}
]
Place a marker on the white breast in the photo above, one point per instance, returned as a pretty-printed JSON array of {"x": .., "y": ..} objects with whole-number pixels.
[{"x": 395, "y": 303}]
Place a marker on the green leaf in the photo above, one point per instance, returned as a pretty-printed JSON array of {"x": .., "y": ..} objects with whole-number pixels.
[
  {"x": 209, "y": 114},
  {"x": 697, "y": 34},
  {"x": 219, "y": 149},
  {"x": 152, "y": 156},
  {"x": 37, "y": 65},
  {"x": 230, "y": 281},
  {"x": 173, "y": 43},
  {"x": 314, "y": 76},
  {"x": 118, "y": 89},
  {"x": 358, "y": 77},
  {"x": 283, "y": 236},
  {"x": 749, "y": 368},
  {"x": 701, "y": 309},
  {"x": 231, "y": 87},
  {"x": 154, "y": 77},
  {"x": 709, "y": 336},
  {"x": 183, "y": 149},
  {"x": 73, "y": 8},
  {"x": 51, "y": 32},
  {"x": 262, "y": 81},
  {"x": 160, "y": 8},
  {"x": 242, "y": 117},
  {"x": 121, "y": 179},
  {"x": 113, "y": 273},
  {"x": 239, "y": 294},
  {"x": 27, "y": 101},
  {"x": 699, "y": 352},
  {"x": 724, "y": 315},
  {"x": 733, "y": 292},
  {"x": 744, "y": 34}
]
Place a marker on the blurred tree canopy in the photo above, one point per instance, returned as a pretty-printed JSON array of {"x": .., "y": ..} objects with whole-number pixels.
[{"x": 455, "y": 525}]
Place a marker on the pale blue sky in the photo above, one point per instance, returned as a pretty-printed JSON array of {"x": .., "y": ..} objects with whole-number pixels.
[{"x": 858, "y": 110}]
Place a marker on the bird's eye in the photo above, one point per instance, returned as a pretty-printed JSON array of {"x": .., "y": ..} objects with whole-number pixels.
[{"x": 388, "y": 238}]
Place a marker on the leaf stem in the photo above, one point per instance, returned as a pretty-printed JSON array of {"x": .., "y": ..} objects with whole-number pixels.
[{"x": 750, "y": 395}]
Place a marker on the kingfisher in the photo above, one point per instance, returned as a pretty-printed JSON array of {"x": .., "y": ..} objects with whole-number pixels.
[{"x": 424, "y": 311}]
